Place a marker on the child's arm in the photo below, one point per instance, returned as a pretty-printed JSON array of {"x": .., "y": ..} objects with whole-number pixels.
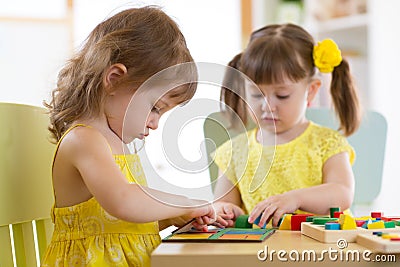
[
  {"x": 178, "y": 222},
  {"x": 89, "y": 153},
  {"x": 228, "y": 200},
  {"x": 337, "y": 190}
]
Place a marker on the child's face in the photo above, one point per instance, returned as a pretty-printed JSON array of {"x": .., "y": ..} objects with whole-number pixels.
[
  {"x": 278, "y": 107},
  {"x": 144, "y": 113}
]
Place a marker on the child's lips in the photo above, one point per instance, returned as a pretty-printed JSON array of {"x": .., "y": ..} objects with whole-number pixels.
[
  {"x": 142, "y": 136},
  {"x": 269, "y": 119}
]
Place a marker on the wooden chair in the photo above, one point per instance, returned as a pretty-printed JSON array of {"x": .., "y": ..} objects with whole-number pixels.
[
  {"x": 26, "y": 194},
  {"x": 369, "y": 143}
]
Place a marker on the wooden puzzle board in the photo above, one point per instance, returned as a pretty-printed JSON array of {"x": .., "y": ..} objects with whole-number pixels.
[
  {"x": 319, "y": 233},
  {"x": 222, "y": 235},
  {"x": 378, "y": 244}
]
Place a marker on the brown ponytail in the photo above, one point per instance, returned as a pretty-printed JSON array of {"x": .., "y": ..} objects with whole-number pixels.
[
  {"x": 232, "y": 94},
  {"x": 345, "y": 99}
]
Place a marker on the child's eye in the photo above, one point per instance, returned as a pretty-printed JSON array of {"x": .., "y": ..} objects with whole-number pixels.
[
  {"x": 257, "y": 96},
  {"x": 156, "y": 110},
  {"x": 282, "y": 96}
]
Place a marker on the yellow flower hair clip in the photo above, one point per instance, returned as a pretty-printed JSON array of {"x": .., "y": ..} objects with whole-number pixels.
[{"x": 326, "y": 55}]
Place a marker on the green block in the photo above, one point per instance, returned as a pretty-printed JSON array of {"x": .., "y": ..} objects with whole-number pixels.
[
  {"x": 242, "y": 222},
  {"x": 332, "y": 211},
  {"x": 310, "y": 218},
  {"x": 323, "y": 220},
  {"x": 390, "y": 224}
]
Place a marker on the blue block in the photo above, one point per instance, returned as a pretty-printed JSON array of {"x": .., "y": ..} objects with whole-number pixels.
[
  {"x": 257, "y": 221},
  {"x": 332, "y": 226}
]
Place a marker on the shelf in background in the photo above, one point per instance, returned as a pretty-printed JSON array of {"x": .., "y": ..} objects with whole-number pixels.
[{"x": 343, "y": 23}]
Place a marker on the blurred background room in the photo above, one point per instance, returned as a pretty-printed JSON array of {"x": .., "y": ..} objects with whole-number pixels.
[{"x": 36, "y": 37}]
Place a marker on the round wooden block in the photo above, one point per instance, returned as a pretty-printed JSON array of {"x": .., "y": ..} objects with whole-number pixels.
[{"x": 242, "y": 222}]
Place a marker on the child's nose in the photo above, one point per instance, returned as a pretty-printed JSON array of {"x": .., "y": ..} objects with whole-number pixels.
[
  {"x": 152, "y": 123},
  {"x": 268, "y": 105}
]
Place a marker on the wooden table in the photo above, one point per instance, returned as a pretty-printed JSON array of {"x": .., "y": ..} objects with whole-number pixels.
[{"x": 291, "y": 243}]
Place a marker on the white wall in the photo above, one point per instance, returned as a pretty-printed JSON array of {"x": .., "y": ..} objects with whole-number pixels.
[
  {"x": 31, "y": 56},
  {"x": 32, "y": 53},
  {"x": 385, "y": 93}
]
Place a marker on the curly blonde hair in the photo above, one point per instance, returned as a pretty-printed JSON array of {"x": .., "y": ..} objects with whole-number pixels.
[{"x": 145, "y": 40}]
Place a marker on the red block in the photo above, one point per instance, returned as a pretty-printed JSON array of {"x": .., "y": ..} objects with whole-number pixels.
[
  {"x": 376, "y": 214},
  {"x": 388, "y": 219},
  {"x": 359, "y": 223},
  {"x": 336, "y": 214},
  {"x": 297, "y": 219}
]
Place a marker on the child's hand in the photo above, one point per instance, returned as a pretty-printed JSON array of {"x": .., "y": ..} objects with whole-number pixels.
[
  {"x": 208, "y": 218},
  {"x": 226, "y": 214},
  {"x": 274, "y": 208}
]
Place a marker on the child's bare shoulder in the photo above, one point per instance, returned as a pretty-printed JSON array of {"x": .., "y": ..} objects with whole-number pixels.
[{"x": 83, "y": 139}]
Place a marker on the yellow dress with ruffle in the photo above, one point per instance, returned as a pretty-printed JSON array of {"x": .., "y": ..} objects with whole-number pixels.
[
  {"x": 86, "y": 235},
  {"x": 262, "y": 171}
]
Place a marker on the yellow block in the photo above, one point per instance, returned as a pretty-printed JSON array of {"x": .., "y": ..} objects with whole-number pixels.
[
  {"x": 364, "y": 218},
  {"x": 286, "y": 223},
  {"x": 376, "y": 225},
  {"x": 389, "y": 236},
  {"x": 347, "y": 222}
]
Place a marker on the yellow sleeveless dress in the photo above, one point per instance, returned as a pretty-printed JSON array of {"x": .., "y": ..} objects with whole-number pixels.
[{"x": 86, "y": 235}]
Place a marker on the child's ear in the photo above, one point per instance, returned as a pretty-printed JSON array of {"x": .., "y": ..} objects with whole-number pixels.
[
  {"x": 113, "y": 75},
  {"x": 313, "y": 89}
]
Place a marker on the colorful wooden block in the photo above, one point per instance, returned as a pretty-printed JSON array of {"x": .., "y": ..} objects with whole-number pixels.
[
  {"x": 363, "y": 218},
  {"x": 242, "y": 221},
  {"x": 333, "y": 210},
  {"x": 359, "y": 223},
  {"x": 389, "y": 236},
  {"x": 332, "y": 226},
  {"x": 390, "y": 218},
  {"x": 310, "y": 218},
  {"x": 257, "y": 221},
  {"x": 336, "y": 214},
  {"x": 390, "y": 224},
  {"x": 286, "y": 222},
  {"x": 365, "y": 225},
  {"x": 378, "y": 243},
  {"x": 296, "y": 221},
  {"x": 324, "y": 220},
  {"x": 376, "y": 214},
  {"x": 347, "y": 222},
  {"x": 376, "y": 225},
  {"x": 349, "y": 231}
]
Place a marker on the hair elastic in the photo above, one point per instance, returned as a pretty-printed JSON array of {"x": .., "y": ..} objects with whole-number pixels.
[{"x": 326, "y": 55}]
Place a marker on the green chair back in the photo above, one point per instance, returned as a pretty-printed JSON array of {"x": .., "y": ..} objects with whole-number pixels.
[
  {"x": 217, "y": 130},
  {"x": 369, "y": 143},
  {"x": 26, "y": 194}
]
